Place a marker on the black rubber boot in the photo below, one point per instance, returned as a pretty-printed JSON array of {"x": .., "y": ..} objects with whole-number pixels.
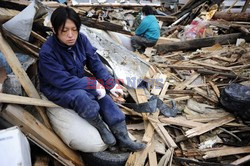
[
  {"x": 125, "y": 143},
  {"x": 107, "y": 137}
]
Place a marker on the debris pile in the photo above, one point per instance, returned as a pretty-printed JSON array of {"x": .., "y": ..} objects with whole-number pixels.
[{"x": 175, "y": 91}]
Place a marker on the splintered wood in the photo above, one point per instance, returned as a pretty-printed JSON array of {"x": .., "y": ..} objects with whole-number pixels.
[{"x": 195, "y": 85}]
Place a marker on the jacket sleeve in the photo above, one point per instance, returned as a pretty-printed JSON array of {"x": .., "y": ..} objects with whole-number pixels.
[
  {"x": 56, "y": 75},
  {"x": 96, "y": 66},
  {"x": 142, "y": 28}
]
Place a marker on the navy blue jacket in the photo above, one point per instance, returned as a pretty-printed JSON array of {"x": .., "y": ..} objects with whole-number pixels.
[{"x": 61, "y": 68}]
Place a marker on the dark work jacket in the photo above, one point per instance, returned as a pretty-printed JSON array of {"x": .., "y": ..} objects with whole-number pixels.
[{"x": 61, "y": 68}]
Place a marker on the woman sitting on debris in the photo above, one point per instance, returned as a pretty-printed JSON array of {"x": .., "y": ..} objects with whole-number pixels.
[
  {"x": 148, "y": 32},
  {"x": 62, "y": 79}
]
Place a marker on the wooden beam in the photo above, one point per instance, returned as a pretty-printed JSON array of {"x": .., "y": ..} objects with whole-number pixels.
[
  {"x": 232, "y": 5},
  {"x": 204, "y": 118},
  {"x": 212, "y": 72},
  {"x": 184, "y": 67},
  {"x": 228, "y": 16},
  {"x": 22, "y": 76},
  {"x": 199, "y": 43},
  {"x": 167, "y": 19},
  {"x": 188, "y": 7},
  {"x": 14, "y": 99},
  {"x": 37, "y": 36},
  {"x": 41, "y": 135},
  {"x": 104, "y": 25},
  {"x": 24, "y": 45},
  {"x": 245, "y": 6},
  {"x": 130, "y": 111},
  {"x": 16, "y": 5},
  {"x": 211, "y": 65},
  {"x": 6, "y": 14}
]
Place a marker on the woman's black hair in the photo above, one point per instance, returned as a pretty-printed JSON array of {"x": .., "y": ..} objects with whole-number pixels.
[
  {"x": 61, "y": 14},
  {"x": 147, "y": 10}
]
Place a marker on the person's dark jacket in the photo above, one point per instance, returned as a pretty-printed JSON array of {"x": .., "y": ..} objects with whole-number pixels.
[{"x": 61, "y": 68}]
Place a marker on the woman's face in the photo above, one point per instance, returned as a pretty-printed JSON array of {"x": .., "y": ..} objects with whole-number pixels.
[{"x": 68, "y": 35}]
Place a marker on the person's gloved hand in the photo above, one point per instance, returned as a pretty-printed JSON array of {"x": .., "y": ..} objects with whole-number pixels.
[
  {"x": 116, "y": 90},
  {"x": 100, "y": 90}
]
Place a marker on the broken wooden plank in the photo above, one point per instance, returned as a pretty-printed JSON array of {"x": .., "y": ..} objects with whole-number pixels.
[
  {"x": 188, "y": 81},
  {"x": 167, "y": 18},
  {"x": 166, "y": 138},
  {"x": 204, "y": 118},
  {"x": 142, "y": 155},
  {"x": 241, "y": 160},
  {"x": 169, "y": 139},
  {"x": 22, "y": 76},
  {"x": 204, "y": 94},
  {"x": 15, "y": 5},
  {"x": 209, "y": 126},
  {"x": 178, "y": 99},
  {"x": 226, "y": 151},
  {"x": 245, "y": 6},
  {"x": 25, "y": 45},
  {"x": 138, "y": 158},
  {"x": 14, "y": 99},
  {"x": 149, "y": 130},
  {"x": 170, "y": 91},
  {"x": 211, "y": 72},
  {"x": 104, "y": 25},
  {"x": 192, "y": 161},
  {"x": 37, "y": 36},
  {"x": 152, "y": 159},
  {"x": 6, "y": 14},
  {"x": 215, "y": 88},
  {"x": 164, "y": 90},
  {"x": 166, "y": 159},
  {"x": 131, "y": 159},
  {"x": 184, "y": 67},
  {"x": 199, "y": 43},
  {"x": 35, "y": 130},
  {"x": 158, "y": 78},
  {"x": 211, "y": 65},
  {"x": 179, "y": 121},
  {"x": 130, "y": 111},
  {"x": 188, "y": 7},
  {"x": 112, "y": 5},
  {"x": 229, "y": 60},
  {"x": 133, "y": 94}
]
